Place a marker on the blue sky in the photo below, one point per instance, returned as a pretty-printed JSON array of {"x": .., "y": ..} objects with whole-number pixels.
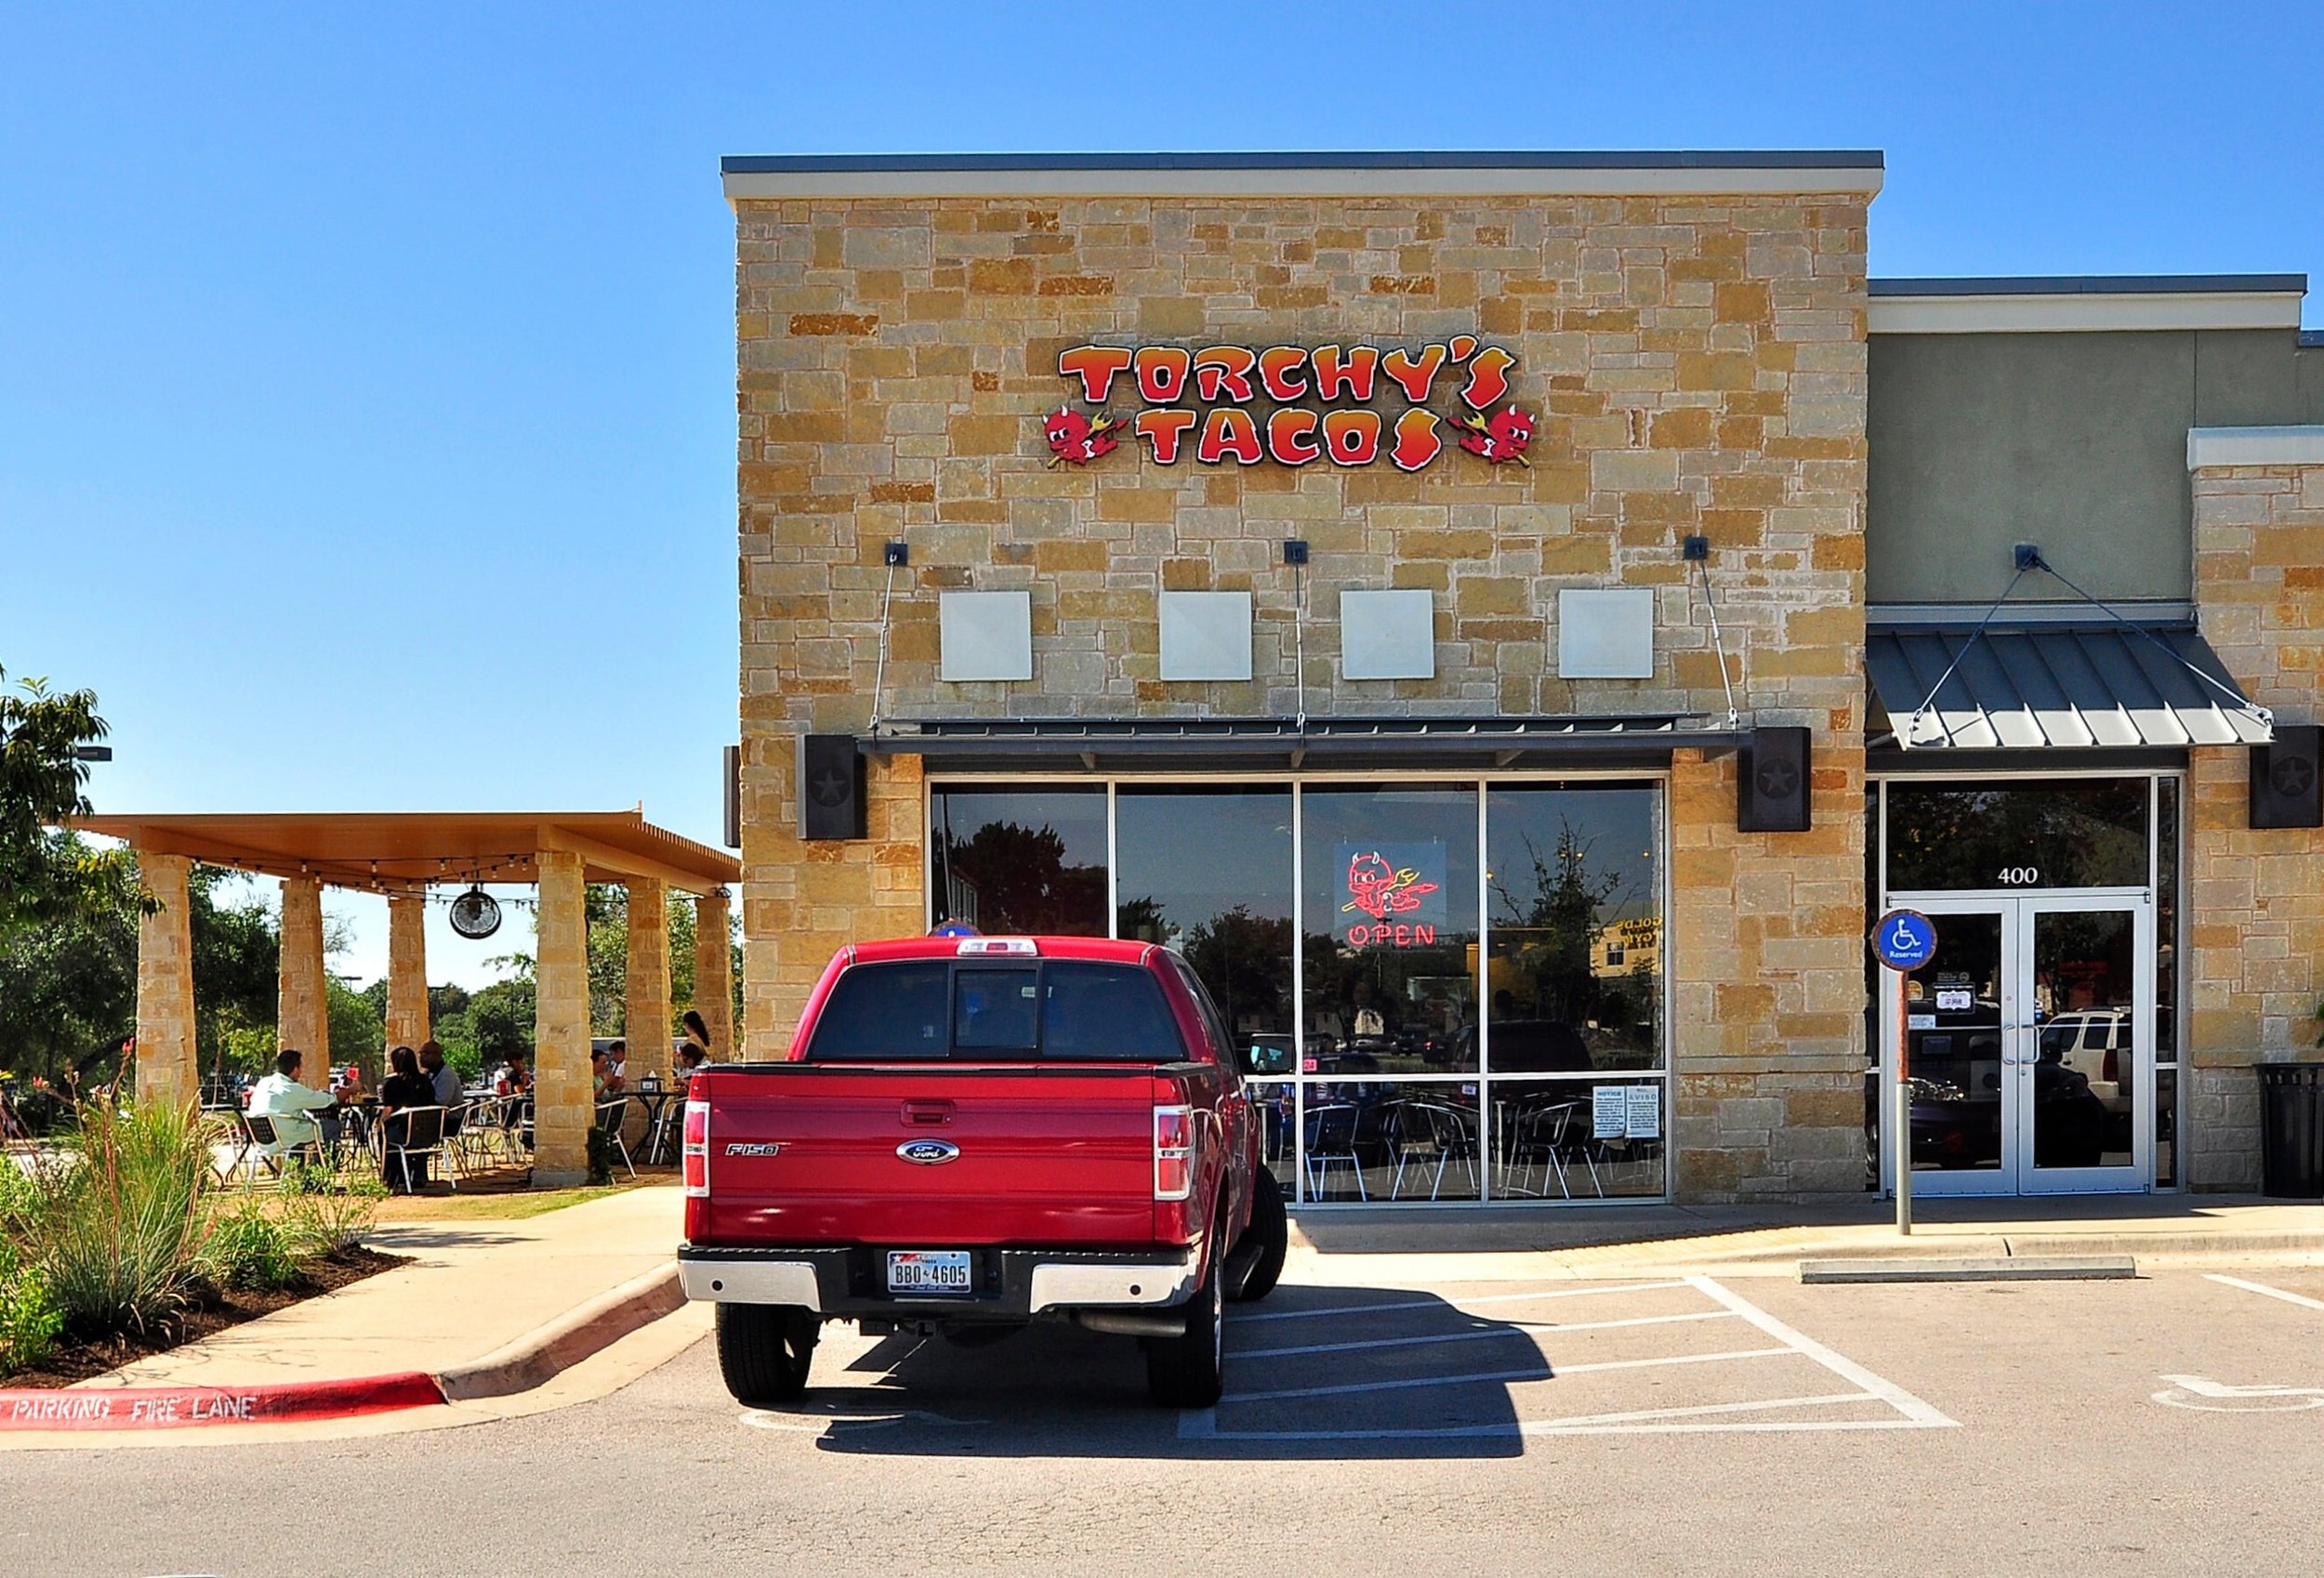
[{"x": 366, "y": 412}]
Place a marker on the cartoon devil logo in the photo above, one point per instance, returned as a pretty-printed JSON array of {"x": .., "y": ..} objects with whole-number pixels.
[
  {"x": 1502, "y": 438},
  {"x": 1380, "y": 889},
  {"x": 1078, "y": 439}
]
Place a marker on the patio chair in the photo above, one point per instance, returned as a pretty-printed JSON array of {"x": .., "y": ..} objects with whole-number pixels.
[
  {"x": 610, "y": 1113},
  {"x": 1331, "y": 1138},
  {"x": 1429, "y": 1134},
  {"x": 1550, "y": 1137},
  {"x": 415, "y": 1131}
]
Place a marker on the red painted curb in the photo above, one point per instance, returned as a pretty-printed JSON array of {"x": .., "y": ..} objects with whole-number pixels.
[{"x": 171, "y": 1408}]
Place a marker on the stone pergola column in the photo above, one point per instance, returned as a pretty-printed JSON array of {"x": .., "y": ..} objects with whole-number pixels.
[
  {"x": 646, "y": 1021},
  {"x": 165, "y": 1070},
  {"x": 564, "y": 1107},
  {"x": 407, "y": 971},
  {"x": 302, "y": 1011},
  {"x": 714, "y": 971}
]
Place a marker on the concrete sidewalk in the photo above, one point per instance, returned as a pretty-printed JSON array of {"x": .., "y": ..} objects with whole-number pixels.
[
  {"x": 1345, "y": 1245},
  {"x": 474, "y": 1288}
]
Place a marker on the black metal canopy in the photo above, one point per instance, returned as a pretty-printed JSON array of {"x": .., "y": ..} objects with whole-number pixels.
[{"x": 1311, "y": 744}]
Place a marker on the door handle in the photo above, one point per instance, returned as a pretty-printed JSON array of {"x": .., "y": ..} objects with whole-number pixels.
[{"x": 927, "y": 1113}]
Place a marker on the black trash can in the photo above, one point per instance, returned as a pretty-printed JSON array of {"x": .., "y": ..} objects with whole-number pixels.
[{"x": 2292, "y": 1130}]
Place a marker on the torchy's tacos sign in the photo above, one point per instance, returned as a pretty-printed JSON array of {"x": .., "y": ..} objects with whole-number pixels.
[{"x": 1293, "y": 404}]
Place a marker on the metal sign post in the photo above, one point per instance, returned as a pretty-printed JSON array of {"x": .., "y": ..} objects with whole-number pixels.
[{"x": 1903, "y": 940}]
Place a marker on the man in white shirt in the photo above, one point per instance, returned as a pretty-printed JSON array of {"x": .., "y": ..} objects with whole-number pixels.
[{"x": 281, "y": 1096}]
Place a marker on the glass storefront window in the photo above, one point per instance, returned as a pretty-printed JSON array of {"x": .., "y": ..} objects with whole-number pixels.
[
  {"x": 1574, "y": 902},
  {"x": 2072, "y": 833},
  {"x": 1439, "y": 966},
  {"x": 1577, "y": 1139},
  {"x": 1019, "y": 860},
  {"x": 1390, "y": 896},
  {"x": 2166, "y": 928},
  {"x": 1207, "y": 872},
  {"x": 1382, "y": 1141}
]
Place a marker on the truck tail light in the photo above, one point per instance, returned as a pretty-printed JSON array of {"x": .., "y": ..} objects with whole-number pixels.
[
  {"x": 695, "y": 1153},
  {"x": 2106, "y": 1069},
  {"x": 1173, "y": 1153}
]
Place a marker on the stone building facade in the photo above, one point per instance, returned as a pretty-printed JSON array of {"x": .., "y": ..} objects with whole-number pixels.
[{"x": 1690, "y": 340}]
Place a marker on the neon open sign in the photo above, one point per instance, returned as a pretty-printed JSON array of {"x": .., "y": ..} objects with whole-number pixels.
[
  {"x": 1395, "y": 894},
  {"x": 1317, "y": 403}
]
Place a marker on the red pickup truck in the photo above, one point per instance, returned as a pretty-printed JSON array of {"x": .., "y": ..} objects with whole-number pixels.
[{"x": 971, "y": 1133}]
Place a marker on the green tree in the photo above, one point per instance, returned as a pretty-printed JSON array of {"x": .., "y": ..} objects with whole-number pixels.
[{"x": 44, "y": 875}]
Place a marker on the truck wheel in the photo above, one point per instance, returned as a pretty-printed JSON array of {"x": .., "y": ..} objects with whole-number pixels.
[
  {"x": 1185, "y": 1372},
  {"x": 1265, "y": 1242},
  {"x": 764, "y": 1350}
]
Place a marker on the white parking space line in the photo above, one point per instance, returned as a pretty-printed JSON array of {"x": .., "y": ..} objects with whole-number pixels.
[
  {"x": 1537, "y": 1373},
  {"x": 2299, "y": 1299},
  {"x": 1242, "y": 1320},
  {"x": 1501, "y": 1331},
  {"x": 1846, "y": 1369},
  {"x": 1902, "y": 1411}
]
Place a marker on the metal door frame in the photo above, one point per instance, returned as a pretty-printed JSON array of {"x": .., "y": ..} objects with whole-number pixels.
[{"x": 2021, "y": 1044}]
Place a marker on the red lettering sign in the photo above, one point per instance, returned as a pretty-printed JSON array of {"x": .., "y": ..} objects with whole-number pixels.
[{"x": 1198, "y": 396}]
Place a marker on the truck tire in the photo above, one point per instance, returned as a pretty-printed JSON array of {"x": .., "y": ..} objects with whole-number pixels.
[
  {"x": 1265, "y": 1243},
  {"x": 1187, "y": 1371},
  {"x": 765, "y": 1349}
]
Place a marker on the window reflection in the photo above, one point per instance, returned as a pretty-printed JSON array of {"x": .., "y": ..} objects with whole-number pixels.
[
  {"x": 1019, "y": 861},
  {"x": 1391, "y": 917},
  {"x": 2087, "y": 833},
  {"x": 1386, "y": 1141},
  {"x": 1207, "y": 872},
  {"x": 1577, "y": 1139},
  {"x": 1574, "y": 899}
]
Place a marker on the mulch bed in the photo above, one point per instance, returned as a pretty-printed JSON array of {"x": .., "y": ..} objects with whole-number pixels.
[{"x": 71, "y": 1362}]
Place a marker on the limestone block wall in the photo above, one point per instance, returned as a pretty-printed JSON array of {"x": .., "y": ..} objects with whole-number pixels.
[
  {"x": 2256, "y": 898},
  {"x": 407, "y": 971},
  {"x": 646, "y": 1016},
  {"x": 562, "y": 1097},
  {"x": 302, "y": 1011},
  {"x": 1697, "y": 364},
  {"x": 165, "y": 1060},
  {"x": 714, "y": 972}
]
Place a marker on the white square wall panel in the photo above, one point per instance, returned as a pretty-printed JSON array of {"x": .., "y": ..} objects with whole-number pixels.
[
  {"x": 1606, "y": 633},
  {"x": 1206, "y": 634},
  {"x": 984, "y": 636},
  {"x": 1388, "y": 634}
]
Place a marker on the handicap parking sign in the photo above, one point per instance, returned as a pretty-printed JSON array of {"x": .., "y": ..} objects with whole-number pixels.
[{"x": 1904, "y": 939}]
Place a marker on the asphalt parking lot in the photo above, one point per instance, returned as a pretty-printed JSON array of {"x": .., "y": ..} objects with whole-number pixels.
[{"x": 2173, "y": 1424}]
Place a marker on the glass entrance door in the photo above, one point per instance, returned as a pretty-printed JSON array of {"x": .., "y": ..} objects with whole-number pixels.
[{"x": 2028, "y": 1046}]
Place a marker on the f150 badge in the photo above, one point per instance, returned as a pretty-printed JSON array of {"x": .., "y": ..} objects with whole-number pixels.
[
  {"x": 928, "y": 1152},
  {"x": 765, "y": 1147}
]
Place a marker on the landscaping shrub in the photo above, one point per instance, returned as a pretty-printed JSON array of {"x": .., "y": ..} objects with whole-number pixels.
[
  {"x": 250, "y": 1249},
  {"x": 29, "y": 1317},
  {"x": 118, "y": 1221},
  {"x": 325, "y": 1212}
]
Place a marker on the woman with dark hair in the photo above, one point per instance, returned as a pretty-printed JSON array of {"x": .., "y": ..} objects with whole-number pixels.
[
  {"x": 405, "y": 1087},
  {"x": 697, "y": 1033}
]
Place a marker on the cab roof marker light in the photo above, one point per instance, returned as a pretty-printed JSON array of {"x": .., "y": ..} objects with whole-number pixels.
[{"x": 972, "y": 946}]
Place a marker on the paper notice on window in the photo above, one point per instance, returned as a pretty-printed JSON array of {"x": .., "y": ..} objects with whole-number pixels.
[
  {"x": 1643, "y": 1119},
  {"x": 1609, "y": 1111},
  {"x": 1920, "y": 1021},
  {"x": 1950, "y": 1000}
]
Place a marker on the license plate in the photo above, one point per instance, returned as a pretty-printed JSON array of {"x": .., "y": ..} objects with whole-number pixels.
[{"x": 928, "y": 1270}]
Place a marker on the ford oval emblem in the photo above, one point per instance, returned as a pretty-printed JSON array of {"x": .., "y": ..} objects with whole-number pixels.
[{"x": 928, "y": 1152}]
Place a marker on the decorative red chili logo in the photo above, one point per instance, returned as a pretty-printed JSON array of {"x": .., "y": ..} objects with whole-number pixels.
[
  {"x": 1076, "y": 438},
  {"x": 1380, "y": 889}
]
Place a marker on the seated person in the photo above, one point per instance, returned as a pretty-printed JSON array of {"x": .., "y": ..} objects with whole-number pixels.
[
  {"x": 281, "y": 1096},
  {"x": 691, "y": 1056},
  {"x": 446, "y": 1079},
  {"x": 405, "y": 1087},
  {"x": 697, "y": 1037},
  {"x": 604, "y": 1079},
  {"x": 514, "y": 1078}
]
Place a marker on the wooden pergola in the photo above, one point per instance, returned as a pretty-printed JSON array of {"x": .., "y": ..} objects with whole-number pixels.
[{"x": 402, "y": 855}]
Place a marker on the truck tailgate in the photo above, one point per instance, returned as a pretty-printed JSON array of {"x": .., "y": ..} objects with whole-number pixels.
[{"x": 805, "y": 1154}]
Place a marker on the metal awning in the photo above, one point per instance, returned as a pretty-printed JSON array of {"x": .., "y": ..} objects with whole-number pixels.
[
  {"x": 2057, "y": 687},
  {"x": 1191, "y": 743}
]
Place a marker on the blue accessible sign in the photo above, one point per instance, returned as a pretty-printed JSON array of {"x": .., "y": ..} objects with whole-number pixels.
[{"x": 1904, "y": 939}]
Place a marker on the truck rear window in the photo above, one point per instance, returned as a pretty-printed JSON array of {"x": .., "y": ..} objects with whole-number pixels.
[{"x": 1060, "y": 1009}]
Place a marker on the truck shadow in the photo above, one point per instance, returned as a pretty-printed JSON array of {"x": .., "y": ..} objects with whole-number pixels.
[{"x": 1311, "y": 1372}]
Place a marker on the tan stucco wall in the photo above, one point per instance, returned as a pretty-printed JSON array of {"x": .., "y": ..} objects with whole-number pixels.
[{"x": 1698, "y": 365}]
